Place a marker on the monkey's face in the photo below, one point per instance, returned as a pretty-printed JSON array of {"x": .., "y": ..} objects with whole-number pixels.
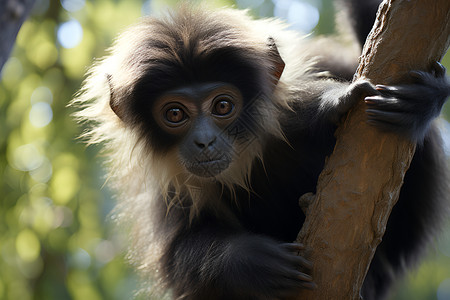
[{"x": 200, "y": 117}]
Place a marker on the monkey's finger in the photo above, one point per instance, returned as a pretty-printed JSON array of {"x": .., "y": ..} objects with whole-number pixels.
[
  {"x": 382, "y": 124},
  {"x": 302, "y": 276},
  {"x": 293, "y": 246},
  {"x": 300, "y": 261},
  {"x": 388, "y": 104},
  {"x": 438, "y": 69},
  {"x": 381, "y": 115},
  {"x": 309, "y": 285},
  {"x": 305, "y": 279},
  {"x": 395, "y": 118},
  {"x": 420, "y": 76},
  {"x": 377, "y": 100},
  {"x": 382, "y": 87},
  {"x": 398, "y": 91}
]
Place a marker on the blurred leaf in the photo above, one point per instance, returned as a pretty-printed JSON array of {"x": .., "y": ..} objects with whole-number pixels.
[{"x": 27, "y": 245}]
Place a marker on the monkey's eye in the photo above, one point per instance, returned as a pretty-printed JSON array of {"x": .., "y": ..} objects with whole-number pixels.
[
  {"x": 175, "y": 115},
  {"x": 223, "y": 106}
]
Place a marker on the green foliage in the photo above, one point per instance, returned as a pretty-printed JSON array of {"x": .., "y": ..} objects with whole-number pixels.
[
  {"x": 56, "y": 235},
  {"x": 54, "y": 243}
]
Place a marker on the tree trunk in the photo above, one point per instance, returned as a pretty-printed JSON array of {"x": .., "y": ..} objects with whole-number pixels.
[
  {"x": 361, "y": 180},
  {"x": 12, "y": 14}
]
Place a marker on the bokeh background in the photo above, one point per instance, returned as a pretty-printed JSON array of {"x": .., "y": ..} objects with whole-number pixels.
[{"x": 57, "y": 237}]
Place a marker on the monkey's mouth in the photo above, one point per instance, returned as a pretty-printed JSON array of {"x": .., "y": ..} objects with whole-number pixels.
[{"x": 208, "y": 167}]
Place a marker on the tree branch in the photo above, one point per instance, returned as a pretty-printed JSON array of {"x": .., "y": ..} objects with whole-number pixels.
[
  {"x": 12, "y": 14},
  {"x": 361, "y": 181}
]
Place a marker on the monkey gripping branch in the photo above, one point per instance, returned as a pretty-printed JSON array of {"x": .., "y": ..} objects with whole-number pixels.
[{"x": 361, "y": 181}]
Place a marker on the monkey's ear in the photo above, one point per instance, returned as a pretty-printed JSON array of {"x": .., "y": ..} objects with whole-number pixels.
[
  {"x": 278, "y": 63},
  {"x": 116, "y": 108}
]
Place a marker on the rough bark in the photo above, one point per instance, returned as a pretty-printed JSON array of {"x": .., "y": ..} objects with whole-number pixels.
[
  {"x": 361, "y": 181},
  {"x": 12, "y": 14}
]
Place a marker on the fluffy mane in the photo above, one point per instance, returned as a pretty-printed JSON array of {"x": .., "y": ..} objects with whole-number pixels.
[{"x": 144, "y": 176}]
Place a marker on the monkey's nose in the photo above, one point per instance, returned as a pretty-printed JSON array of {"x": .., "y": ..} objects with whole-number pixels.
[{"x": 205, "y": 142}]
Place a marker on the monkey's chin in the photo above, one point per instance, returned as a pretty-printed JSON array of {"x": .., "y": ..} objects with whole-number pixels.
[{"x": 207, "y": 169}]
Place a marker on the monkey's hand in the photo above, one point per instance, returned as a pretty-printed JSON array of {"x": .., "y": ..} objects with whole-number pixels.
[
  {"x": 259, "y": 268},
  {"x": 408, "y": 109},
  {"x": 336, "y": 102}
]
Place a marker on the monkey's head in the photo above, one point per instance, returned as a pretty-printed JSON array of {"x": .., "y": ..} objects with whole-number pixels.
[
  {"x": 200, "y": 119},
  {"x": 196, "y": 89}
]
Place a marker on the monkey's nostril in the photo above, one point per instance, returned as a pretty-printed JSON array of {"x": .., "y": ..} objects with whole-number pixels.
[
  {"x": 205, "y": 144},
  {"x": 200, "y": 145}
]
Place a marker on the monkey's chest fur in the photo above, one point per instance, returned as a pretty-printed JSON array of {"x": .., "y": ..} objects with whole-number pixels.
[{"x": 287, "y": 172}]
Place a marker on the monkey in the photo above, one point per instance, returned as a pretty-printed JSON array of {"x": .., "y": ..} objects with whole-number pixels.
[{"x": 215, "y": 124}]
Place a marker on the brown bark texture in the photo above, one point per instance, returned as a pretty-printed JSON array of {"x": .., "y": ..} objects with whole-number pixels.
[
  {"x": 361, "y": 180},
  {"x": 12, "y": 14}
]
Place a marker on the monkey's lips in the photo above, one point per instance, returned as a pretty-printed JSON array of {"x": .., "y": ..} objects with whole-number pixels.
[{"x": 208, "y": 167}]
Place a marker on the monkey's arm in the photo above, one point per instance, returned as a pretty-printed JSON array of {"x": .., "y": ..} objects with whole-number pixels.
[
  {"x": 211, "y": 259},
  {"x": 406, "y": 109},
  {"x": 338, "y": 98},
  {"x": 322, "y": 102}
]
